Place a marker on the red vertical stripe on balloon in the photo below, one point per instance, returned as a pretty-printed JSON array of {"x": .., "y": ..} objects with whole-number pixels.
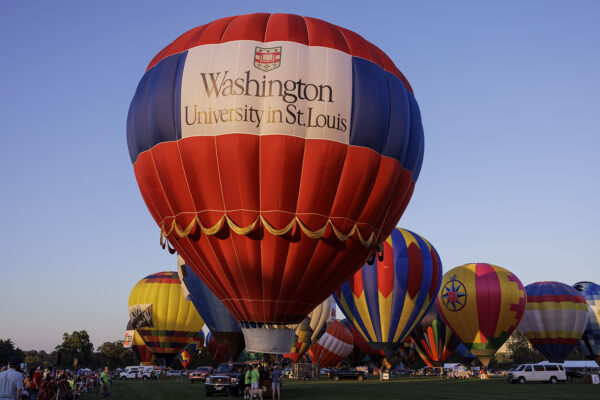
[
  {"x": 385, "y": 271},
  {"x": 489, "y": 295}
]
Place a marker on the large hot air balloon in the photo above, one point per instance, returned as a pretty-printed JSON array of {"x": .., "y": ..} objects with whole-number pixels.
[
  {"x": 555, "y": 317},
  {"x": 163, "y": 318},
  {"x": 137, "y": 345},
  {"x": 310, "y": 330},
  {"x": 590, "y": 341},
  {"x": 219, "y": 320},
  {"x": 333, "y": 347},
  {"x": 387, "y": 300},
  {"x": 482, "y": 304},
  {"x": 433, "y": 339},
  {"x": 276, "y": 153}
]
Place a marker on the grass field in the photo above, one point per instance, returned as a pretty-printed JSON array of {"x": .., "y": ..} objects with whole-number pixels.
[{"x": 400, "y": 388}]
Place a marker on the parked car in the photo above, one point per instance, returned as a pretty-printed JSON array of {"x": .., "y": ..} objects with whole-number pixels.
[
  {"x": 347, "y": 373},
  {"x": 200, "y": 374},
  {"x": 137, "y": 372},
  {"x": 552, "y": 373},
  {"x": 174, "y": 373},
  {"x": 227, "y": 378}
]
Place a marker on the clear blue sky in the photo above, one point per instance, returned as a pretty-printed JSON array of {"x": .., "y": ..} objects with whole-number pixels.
[{"x": 509, "y": 93}]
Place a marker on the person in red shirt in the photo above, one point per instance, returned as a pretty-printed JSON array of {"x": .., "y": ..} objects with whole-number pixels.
[{"x": 36, "y": 383}]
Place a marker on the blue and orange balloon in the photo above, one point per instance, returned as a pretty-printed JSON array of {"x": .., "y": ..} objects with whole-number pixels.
[
  {"x": 385, "y": 301},
  {"x": 555, "y": 317},
  {"x": 274, "y": 151}
]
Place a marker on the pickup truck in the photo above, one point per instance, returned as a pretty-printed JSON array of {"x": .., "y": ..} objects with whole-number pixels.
[{"x": 347, "y": 373}]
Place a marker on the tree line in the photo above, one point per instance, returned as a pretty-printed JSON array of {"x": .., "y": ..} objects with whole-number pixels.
[{"x": 75, "y": 351}]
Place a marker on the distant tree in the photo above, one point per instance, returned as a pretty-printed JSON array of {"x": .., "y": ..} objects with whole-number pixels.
[
  {"x": 116, "y": 355},
  {"x": 521, "y": 351},
  {"x": 35, "y": 358},
  {"x": 8, "y": 351},
  {"x": 75, "y": 345}
]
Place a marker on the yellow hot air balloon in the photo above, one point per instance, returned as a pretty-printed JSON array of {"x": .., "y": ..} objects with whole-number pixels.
[
  {"x": 482, "y": 304},
  {"x": 165, "y": 320}
]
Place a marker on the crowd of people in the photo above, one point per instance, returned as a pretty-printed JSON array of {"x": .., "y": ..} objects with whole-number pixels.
[{"x": 21, "y": 383}]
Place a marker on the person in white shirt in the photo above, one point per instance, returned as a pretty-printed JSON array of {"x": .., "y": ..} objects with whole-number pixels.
[{"x": 11, "y": 382}]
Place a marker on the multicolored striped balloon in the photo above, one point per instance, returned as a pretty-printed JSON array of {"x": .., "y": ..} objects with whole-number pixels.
[
  {"x": 172, "y": 321},
  {"x": 385, "y": 301},
  {"x": 310, "y": 330},
  {"x": 590, "y": 341},
  {"x": 274, "y": 151},
  {"x": 333, "y": 347},
  {"x": 555, "y": 318},
  {"x": 434, "y": 340},
  {"x": 483, "y": 304}
]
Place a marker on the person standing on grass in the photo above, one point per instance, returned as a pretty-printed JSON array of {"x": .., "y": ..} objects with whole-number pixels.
[
  {"x": 254, "y": 377},
  {"x": 247, "y": 381},
  {"x": 276, "y": 376},
  {"x": 104, "y": 380},
  {"x": 11, "y": 382}
]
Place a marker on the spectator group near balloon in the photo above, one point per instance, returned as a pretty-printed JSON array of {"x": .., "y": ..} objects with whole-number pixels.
[{"x": 277, "y": 154}]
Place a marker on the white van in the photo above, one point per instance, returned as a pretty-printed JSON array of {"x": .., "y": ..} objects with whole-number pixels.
[
  {"x": 547, "y": 372},
  {"x": 137, "y": 372}
]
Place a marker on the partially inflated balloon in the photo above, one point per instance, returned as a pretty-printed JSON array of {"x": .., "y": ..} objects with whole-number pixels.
[
  {"x": 274, "y": 151},
  {"x": 218, "y": 351},
  {"x": 163, "y": 318},
  {"x": 590, "y": 341},
  {"x": 333, "y": 347},
  {"x": 434, "y": 340},
  {"x": 482, "y": 304},
  {"x": 310, "y": 330},
  {"x": 387, "y": 300},
  {"x": 361, "y": 347},
  {"x": 139, "y": 348},
  {"x": 219, "y": 320},
  {"x": 555, "y": 318}
]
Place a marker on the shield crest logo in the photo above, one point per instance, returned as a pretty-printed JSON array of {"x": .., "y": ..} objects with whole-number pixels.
[{"x": 267, "y": 58}]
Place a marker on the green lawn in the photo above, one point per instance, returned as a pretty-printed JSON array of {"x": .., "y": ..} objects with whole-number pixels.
[{"x": 401, "y": 388}]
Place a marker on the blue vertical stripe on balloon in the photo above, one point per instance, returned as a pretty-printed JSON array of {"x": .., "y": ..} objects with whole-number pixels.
[{"x": 370, "y": 105}]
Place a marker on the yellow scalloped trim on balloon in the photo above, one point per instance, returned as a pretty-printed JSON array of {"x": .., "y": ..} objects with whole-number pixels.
[{"x": 245, "y": 230}]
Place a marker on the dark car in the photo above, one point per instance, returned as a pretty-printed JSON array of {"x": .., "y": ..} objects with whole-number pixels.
[
  {"x": 347, "y": 373},
  {"x": 227, "y": 378},
  {"x": 200, "y": 374}
]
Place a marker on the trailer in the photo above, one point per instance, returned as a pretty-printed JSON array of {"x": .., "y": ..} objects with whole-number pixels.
[{"x": 305, "y": 371}]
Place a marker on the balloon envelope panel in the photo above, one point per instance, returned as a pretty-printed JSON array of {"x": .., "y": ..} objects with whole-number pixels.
[
  {"x": 269, "y": 146},
  {"x": 555, "y": 318},
  {"x": 590, "y": 341},
  {"x": 386, "y": 301},
  {"x": 174, "y": 321},
  {"x": 482, "y": 304}
]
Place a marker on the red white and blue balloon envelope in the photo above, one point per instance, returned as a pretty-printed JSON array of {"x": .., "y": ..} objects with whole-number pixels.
[
  {"x": 385, "y": 301},
  {"x": 274, "y": 152},
  {"x": 590, "y": 341},
  {"x": 555, "y": 317}
]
